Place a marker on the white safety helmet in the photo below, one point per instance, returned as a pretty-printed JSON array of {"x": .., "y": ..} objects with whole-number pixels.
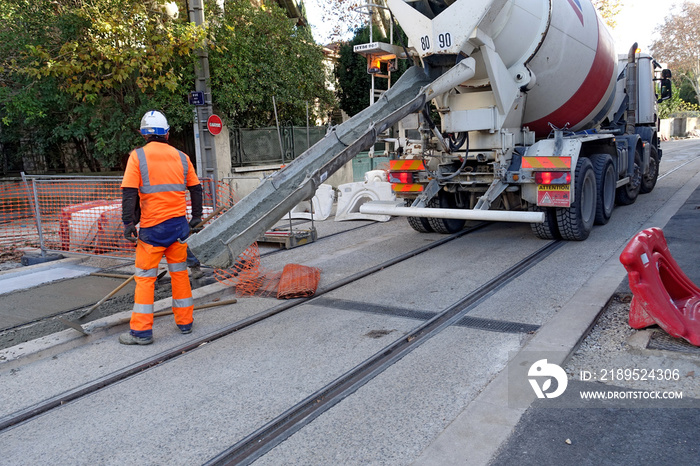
[{"x": 154, "y": 123}]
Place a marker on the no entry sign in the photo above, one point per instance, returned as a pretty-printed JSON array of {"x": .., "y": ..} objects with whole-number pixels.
[{"x": 214, "y": 124}]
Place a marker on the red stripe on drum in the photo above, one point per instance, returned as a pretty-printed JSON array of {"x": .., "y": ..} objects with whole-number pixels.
[{"x": 589, "y": 95}]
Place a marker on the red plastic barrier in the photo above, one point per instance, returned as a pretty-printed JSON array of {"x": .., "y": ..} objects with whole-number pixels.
[
  {"x": 663, "y": 294},
  {"x": 66, "y": 217},
  {"x": 110, "y": 234}
]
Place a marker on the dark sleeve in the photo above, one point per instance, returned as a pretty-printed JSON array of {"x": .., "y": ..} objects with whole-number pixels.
[
  {"x": 196, "y": 198},
  {"x": 131, "y": 210}
]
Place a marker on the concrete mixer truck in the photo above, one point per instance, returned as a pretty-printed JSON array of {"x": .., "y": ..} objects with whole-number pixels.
[
  {"x": 551, "y": 121},
  {"x": 516, "y": 110}
]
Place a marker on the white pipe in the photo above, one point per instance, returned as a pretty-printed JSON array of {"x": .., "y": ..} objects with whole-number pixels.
[
  {"x": 461, "y": 72},
  {"x": 461, "y": 214}
]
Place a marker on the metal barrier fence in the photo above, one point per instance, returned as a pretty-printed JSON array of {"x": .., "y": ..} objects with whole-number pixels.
[
  {"x": 17, "y": 224},
  {"x": 79, "y": 214},
  {"x": 83, "y": 215}
]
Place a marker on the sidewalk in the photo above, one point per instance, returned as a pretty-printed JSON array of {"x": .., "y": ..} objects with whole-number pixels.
[{"x": 636, "y": 432}]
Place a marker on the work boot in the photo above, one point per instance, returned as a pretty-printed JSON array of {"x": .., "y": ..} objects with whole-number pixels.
[
  {"x": 185, "y": 329},
  {"x": 196, "y": 272},
  {"x": 129, "y": 339}
]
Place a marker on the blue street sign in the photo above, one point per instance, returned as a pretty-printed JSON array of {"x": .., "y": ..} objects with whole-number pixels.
[{"x": 196, "y": 98}]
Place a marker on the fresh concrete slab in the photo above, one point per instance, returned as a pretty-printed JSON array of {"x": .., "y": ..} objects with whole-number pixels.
[
  {"x": 23, "y": 278},
  {"x": 49, "y": 299}
]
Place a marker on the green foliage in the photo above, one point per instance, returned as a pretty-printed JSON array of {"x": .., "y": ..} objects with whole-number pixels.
[
  {"x": 76, "y": 76},
  {"x": 354, "y": 82},
  {"x": 675, "y": 107},
  {"x": 687, "y": 92},
  {"x": 262, "y": 54},
  {"x": 677, "y": 45},
  {"x": 351, "y": 71},
  {"x": 103, "y": 45},
  {"x": 85, "y": 72}
]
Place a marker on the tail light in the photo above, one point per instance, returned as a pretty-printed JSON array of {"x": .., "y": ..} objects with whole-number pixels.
[
  {"x": 400, "y": 177},
  {"x": 553, "y": 177}
]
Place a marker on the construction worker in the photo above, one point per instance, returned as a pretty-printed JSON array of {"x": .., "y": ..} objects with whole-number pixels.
[{"x": 156, "y": 180}]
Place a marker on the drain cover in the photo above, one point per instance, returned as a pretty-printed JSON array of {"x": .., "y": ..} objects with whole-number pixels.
[{"x": 664, "y": 341}]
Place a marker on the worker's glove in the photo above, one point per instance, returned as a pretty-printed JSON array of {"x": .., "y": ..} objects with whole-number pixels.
[
  {"x": 194, "y": 224},
  {"x": 130, "y": 232}
]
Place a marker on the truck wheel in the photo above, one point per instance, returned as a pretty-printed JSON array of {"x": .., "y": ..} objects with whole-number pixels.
[
  {"x": 650, "y": 177},
  {"x": 627, "y": 194},
  {"x": 548, "y": 229},
  {"x": 420, "y": 224},
  {"x": 576, "y": 222},
  {"x": 605, "y": 180},
  {"x": 445, "y": 200}
]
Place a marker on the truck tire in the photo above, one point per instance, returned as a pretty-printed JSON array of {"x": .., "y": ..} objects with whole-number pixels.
[
  {"x": 548, "y": 229},
  {"x": 605, "y": 180},
  {"x": 576, "y": 222},
  {"x": 627, "y": 194},
  {"x": 650, "y": 177},
  {"x": 445, "y": 200},
  {"x": 420, "y": 224}
]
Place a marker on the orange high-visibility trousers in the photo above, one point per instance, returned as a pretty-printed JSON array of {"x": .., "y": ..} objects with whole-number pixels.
[{"x": 147, "y": 259}]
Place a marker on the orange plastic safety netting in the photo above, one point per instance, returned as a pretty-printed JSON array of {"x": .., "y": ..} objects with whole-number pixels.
[
  {"x": 18, "y": 227},
  {"x": 80, "y": 214},
  {"x": 245, "y": 274},
  {"x": 83, "y": 215},
  {"x": 298, "y": 281},
  {"x": 249, "y": 278}
]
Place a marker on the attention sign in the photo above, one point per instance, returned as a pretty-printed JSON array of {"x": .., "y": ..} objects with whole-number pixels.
[{"x": 554, "y": 195}]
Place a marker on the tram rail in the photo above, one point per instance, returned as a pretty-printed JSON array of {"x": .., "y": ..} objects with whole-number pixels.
[{"x": 181, "y": 350}]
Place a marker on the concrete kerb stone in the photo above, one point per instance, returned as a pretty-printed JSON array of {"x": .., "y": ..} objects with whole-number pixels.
[
  {"x": 475, "y": 436},
  {"x": 97, "y": 329}
]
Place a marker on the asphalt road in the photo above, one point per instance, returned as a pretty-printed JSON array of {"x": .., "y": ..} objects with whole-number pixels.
[{"x": 447, "y": 402}]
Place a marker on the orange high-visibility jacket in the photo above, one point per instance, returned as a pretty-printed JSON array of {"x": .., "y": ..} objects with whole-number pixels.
[{"x": 162, "y": 175}]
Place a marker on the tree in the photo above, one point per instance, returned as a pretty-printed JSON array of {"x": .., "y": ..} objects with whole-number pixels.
[
  {"x": 344, "y": 16},
  {"x": 262, "y": 54},
  {"x": 676, "y": 107},
  {"x": 84, "y": 72},
  {"x": 77, "y": 75},
  {"x": 608, "y": 10},
  {"x": 679, "y": 45},
  {"x": 686, "y": 92}
]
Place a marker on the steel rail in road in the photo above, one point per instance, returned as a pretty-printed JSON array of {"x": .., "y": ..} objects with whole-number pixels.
[
  {"x": 677, "y": 168},
  {"x": 85, "y": 389},
  {"x": 258, "y": 443},
  {"x": 276, "y": 251},
  {"x": 278, "y": 430}
]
